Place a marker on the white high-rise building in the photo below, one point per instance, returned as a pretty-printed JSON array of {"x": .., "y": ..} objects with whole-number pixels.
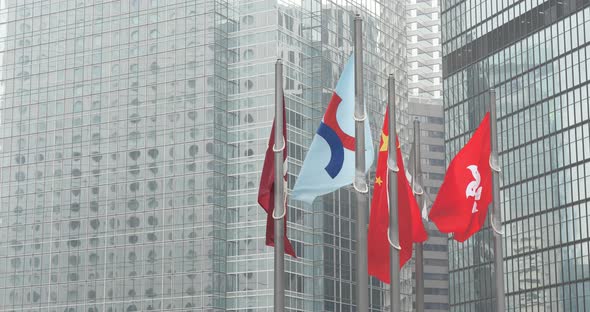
[
  {"x": 425, "y": 103},
  {"x": 424, "y": 51}
]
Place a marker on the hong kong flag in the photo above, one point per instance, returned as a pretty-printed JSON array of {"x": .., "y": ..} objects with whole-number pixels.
[
  {"x": 462, "y": 203},
  {"x": 410, "y": 227},
  {"x": 266, "y": 192}
]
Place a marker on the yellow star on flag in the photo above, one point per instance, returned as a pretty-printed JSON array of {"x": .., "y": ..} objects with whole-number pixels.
[
  {"x": 379, "y": 181},
  {"x": 385, "y": 139}
]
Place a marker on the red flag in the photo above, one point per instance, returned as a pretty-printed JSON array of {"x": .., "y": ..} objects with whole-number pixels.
[
  {"x": 462, "y": 203},
  {"x": 411, "y": 229},
  {"x": 266, "y": 194}
]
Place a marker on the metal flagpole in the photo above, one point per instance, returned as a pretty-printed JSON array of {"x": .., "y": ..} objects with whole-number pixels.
[
  {"x": 496, "y": 220},
  {"x": 360, "y": 185},
  {"x": 393, "y": 232},
  {"x": 279, "y": 195},
  {"x": 417, "y": 177}
]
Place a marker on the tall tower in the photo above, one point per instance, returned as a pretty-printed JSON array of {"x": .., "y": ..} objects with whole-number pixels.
[
  {"x": 534, "y": 55},
  {"x": 436, "y": 274},
  {"x": 424, "y": 51},
  {"x": 132, "y": 137},
  {"x": 425, "y": 103},
  {"x": 114, "y": 155}
]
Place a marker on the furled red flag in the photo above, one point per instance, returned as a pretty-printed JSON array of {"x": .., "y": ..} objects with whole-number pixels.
[
  {"x": 411, "y": 228},
  {"x": 462, "y": 203},
  {"x": 266, "y": 194}
]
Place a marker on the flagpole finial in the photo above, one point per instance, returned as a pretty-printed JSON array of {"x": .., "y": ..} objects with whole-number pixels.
[
  {"x": 357, "y": 16},
  {"x": 279, "y": 60}
]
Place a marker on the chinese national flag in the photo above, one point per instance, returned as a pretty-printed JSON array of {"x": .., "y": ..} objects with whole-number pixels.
[
  {"x": 266, "y": 194},
  {"x": 462, "y": 203},
  {"x": 411, "y": 228}
]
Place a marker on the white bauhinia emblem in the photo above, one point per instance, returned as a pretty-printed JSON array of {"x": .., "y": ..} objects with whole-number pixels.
[{"x": 473, "y": 188}]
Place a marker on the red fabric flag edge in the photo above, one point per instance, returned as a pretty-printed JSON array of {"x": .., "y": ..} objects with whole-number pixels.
[
  {"x": 411, "y": 227},
  {"x": 266, "y": 189},
  {"x": 447, "y": 222}
]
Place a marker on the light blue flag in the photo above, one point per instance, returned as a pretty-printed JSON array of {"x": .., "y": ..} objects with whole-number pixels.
[{"x": 329, "y": 163}]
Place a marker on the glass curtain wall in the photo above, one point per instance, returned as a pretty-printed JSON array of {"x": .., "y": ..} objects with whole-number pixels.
[
  {"x": 132, "y": 138},
  {"x": 114, "y": 135},
  {"x": 314, "y": 40},
  {"x": 534, "y": 54}
]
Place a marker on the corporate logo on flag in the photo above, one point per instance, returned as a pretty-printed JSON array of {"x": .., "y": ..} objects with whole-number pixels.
[
  {"x": 473, "y": 188},
  {"x": 336, "y": 138},
  {"x": 330, "y": 161}
]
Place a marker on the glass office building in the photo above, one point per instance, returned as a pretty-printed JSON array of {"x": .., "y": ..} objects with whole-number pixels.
[
  {"x": 535, "y": 55},
  {"x": 436, "y": 274},
  {"x": 425, "y": 104},
  {"x": 132, "y": 137}
]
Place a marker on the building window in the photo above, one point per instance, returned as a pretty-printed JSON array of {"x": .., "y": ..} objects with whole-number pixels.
[
  {"x": 436, "y": 162},
  {"x": 292, "y": 57},
  {"x": 436, "y": 134},
  {"x": 435, "y": 120},
  {"x": 248, "y": 54},
  {"x": 436, "y": 176},
  {"x": 436, "y": 148},
  {"x": 249, "y": 84},
  {"x": 248, "y": 19}
]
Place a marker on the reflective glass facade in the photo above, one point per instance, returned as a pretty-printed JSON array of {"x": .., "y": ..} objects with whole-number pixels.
[
  {"x": 132, "y": 138},
  {"x": 436, "y": 265},
  {"x": 535, "y": 55},
  {"x": 114, "y": 155}
]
